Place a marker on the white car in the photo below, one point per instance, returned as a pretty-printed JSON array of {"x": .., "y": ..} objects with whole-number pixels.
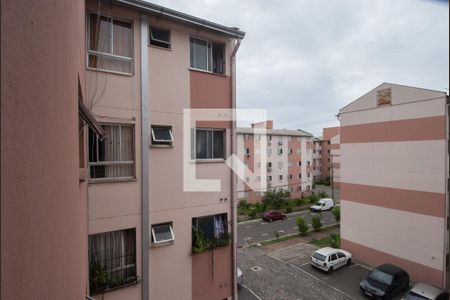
[
  {"x": 329, "y": 259},
  {"x": 323, "y": 205}
]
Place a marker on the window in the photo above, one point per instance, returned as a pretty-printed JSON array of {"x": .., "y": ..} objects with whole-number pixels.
[
  {"x": 113, "y": 253},
  {"x": 384, "y": 97},
  {"x": 333, "y": 257},
  {"x": 160, "y": 37},
  {"x": 247, "y": 151},
  {"x": 209, "y": 232},
  {"x": 299, "y": 175},
  {"x": 247, "y": 179},
  {"x": 162, "y": 233},
  {"x": 280, "y": 177},
  {"x": 280, "y": 151},
  {"x": 290, "y": 151},
  {"x": 207, "y": 56},
  {"x": 340, "y": 255},
  {"x": 269, "y": 137},
  {"x": 246, "y": 137},
  {"x": 112, "y": 157},
  {"x": 299, "y": 163},
  {"x": 209, "y": 144},
  {"x": 162, "y": 135},
  {"x": 110, "y": 44},
  {"x": 290, "y": 176},
  {"x": 308, "y": 163},
  {"x": 269, "y": 178}
]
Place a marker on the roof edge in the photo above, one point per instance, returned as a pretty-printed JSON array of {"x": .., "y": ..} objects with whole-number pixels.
[{"x": 180, "y": 17}]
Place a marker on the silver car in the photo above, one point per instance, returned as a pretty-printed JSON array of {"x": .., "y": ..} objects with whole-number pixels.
[{"x": 423, "y": 291}]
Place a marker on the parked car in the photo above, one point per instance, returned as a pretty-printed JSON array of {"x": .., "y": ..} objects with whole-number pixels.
[
  {"x": 240, "y": 277},
  {"x": 273, "y": 215},
  {"x": 423, "y": 291},
  {"x": 384, "y": 281},
  {"x": 329, "y": 259},
  {"x": 323, "y": 205}
]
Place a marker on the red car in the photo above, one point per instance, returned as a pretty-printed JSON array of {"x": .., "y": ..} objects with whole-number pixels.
[{"x": 273, "y": 215}]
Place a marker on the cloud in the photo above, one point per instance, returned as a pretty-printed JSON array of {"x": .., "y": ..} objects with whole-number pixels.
[{"x": 304, "y": 60}]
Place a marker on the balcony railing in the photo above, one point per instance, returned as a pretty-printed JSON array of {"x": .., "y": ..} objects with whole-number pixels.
[{"x": 109, "y": 274}]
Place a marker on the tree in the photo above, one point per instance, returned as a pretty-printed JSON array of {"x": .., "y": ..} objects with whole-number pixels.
[
  {"x": 316, "y": 222},
  {"x": 302, "y": 226},
  {"x": 337, "y": 213},
  {"x": 276, "y": 198}
]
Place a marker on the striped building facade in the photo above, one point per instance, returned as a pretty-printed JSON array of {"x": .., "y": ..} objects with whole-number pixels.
[{"x": 394, "y": 180}]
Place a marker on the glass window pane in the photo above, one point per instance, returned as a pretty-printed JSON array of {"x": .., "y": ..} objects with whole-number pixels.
[
  {"x": 218, "y": 144},
  {"x": 162, "y": 233},
  {"x": 161, "y": 134},
  {"x": 99, "y": 33},
  {"x": 201, "y": 144},
  {"x": 200, "y": 54},
  {"x": 160, "y": 37},
  {"x": 122, "y": 39}
]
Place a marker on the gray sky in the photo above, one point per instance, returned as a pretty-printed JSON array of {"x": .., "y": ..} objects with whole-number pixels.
[{"x": 304, "y": 60}]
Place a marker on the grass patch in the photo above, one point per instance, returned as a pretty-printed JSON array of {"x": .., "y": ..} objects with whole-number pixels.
[{"x": 325, "y": 242}]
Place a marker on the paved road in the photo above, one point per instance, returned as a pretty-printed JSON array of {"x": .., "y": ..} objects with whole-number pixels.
[
  {"x": 257, "y": 231},
  {"x": 245, "y": 294}
]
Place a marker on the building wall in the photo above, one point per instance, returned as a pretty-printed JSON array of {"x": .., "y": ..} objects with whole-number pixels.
[
  {"x": 173, "y": 87},
  {"x": 43, "y": 201},
  {"x": 394, "y": 171}
]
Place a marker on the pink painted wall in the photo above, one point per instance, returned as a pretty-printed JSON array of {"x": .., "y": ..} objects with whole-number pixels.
[
  {"x": 211, "y": 274},
  {"x": 43, "y": 203}
]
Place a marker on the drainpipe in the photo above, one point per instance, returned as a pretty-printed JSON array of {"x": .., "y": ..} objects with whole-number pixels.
[
  {"x": 233, "y": 175},
  {"x": 145, "y": 134}
]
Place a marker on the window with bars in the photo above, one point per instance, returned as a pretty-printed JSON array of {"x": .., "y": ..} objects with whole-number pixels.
[
  {"x": 112, "y": 260},
  {"x": 209, "y": 143},
  {"x": 110, "y": 44},
  {"x": 113, "y": 157}
]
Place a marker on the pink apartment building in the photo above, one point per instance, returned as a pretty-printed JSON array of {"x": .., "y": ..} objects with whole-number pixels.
[
  {"x": 145, "y": 65},
  {"x": 330, "y": 157},
  {"x": 289, "y": 160},
  {"x": 394, "y": 180},
  {"x": 43, "y": 165}
]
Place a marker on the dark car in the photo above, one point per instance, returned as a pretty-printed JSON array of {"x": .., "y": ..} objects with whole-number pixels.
[
  {"x": 273, "y": 215},
  {"x": 384, "y": 281}
]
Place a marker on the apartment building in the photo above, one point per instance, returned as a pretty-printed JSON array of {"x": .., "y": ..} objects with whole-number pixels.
[
  {"x": 43, "y": 168},
  {"x": 394, "y": 180},
  {"x": 317, "y": 158},
  {"x": 288, "y": 166},
  {"x": 329, "y": 153},
  {"x": 153, "y": 239}
]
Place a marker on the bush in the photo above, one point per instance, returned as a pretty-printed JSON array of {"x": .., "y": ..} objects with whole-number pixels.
[
  {"x": 289, "y": 207},
  {"x": 252, "y": 213},
  {"x": 316, "y": 222},
  {"x": 243, "y": 204},
  {"x": 337, "y": 213},
  {"x": 335, "y": 240},
  {"x": 322, "y": 194},
  {"x": 313, "y": 198},
  {"x": 258, "y": 207},
  {"x": 299, "y": 201},
  {"x": 276, "y": 198},
  {"x": 302, "y": 226}
]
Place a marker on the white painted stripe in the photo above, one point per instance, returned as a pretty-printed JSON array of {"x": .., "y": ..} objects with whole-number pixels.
[
  {"x": 253, "y": 293},
  {"x": 415, "y": 237},
  {"x": 413, "y": 165},
  {"x": 414, "y": 110}
]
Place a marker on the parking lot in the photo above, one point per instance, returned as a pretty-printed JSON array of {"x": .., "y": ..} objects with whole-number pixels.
[{"x": 285, "y": 273}]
